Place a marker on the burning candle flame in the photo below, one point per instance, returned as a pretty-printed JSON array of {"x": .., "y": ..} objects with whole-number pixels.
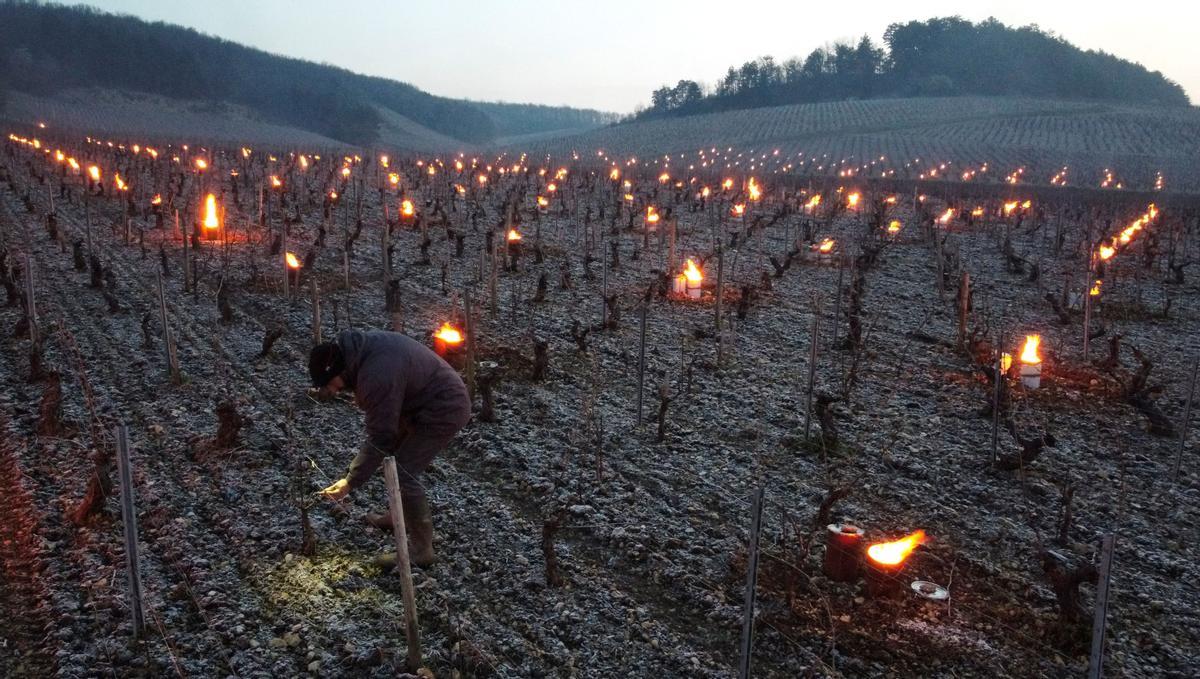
[
  {"x": 1095, "y": 291},
  {"x": 946, "y": 216},
  {"x": 727, "y": 184},
  {"x": 895, "y": 553},
  {"x": 513, "y": 235},
  {"x": 693, "y": 273},
  {"x": 157, "y": 199},
  {"x": 1107, "y": 251},
  {"x": 275, "y": 183},
  {"x": 739, "y": 210},
  {"x": 754, "y": 189},
  {"x": 201, "y": 164},
  {"x": 293, "y": 262},
  {"x": 826, "y": 246},
  {"x": 210, "y": 212},
  {"x": 894, "y": 226},
  {"x": 1029, "y": 355},
  {"x": 614, "y": 174},
  {"x": 449, "y": 334},
  {"x": 94, "y": 171},
  {"x": 852, "y": 199},
  {"x": 406, "y": 208},
  {"x": 542, "y": 202}
]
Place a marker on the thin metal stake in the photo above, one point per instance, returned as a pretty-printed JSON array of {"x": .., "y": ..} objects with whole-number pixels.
[
  {"x": 129, "y": 519},
  {"x": 751, "y": 583}
]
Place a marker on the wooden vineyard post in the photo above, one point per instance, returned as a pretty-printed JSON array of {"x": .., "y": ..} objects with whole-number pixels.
[
  {"x": 346, "y": 269},
  {"x": 996, "y": 398},
  {"x": 469, "y": 378},
  {"x": 812, "y": 365},
  {"x": 1187, "y": 419},
  {"x": 316, "y": 312},
  {"x": 671, "y": 248},
  {"x": 129, "y": 519},
  {"x": 187, "y": 262},
  {"x": 286, "y": 269},
  {"x": 31, "y": 301},
  {"x": 642, "y": 361},
  {"x": 837, "y": 301},
  {"x": 751, "y": 584},
  {"x": 399, "y": 532},
  {"x": 1100, "y": 618},
  {"x": 1087, "y": 309},
  {"x": 168, "y": 339},
  {"x": 964, "y": 305}
]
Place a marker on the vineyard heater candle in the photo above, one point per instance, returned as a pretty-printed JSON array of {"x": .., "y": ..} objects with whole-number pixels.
[
  {"x": 1031, "y": 363},
  {"x": 843, "y": 552},
  {"x": 689, "y": 282},
  {"x": 886, "y": 560}
]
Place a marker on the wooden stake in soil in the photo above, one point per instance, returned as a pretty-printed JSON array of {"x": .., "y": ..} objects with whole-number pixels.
[
  {"x": 1100, "y": 618},
  {"x": 1187, "y": 419},
  {"x": 31, "y": 301},
  {"x": 641, "y": 361},
  {"x": 287, "y": 272},
  {"x": 402, "y": 564},
  {"x": 168, "y": 339},
  {"x": 751, "y": 584},
  {"x": 812, "y": 365},
  {"x": 129, "y": 519},
  {"x": 316, "y": 313}
]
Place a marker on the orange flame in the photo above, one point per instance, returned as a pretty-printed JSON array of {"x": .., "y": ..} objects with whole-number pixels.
[
  {"x": 157, "y": 199},
  {"x": 894, "y": 226},
  {"x": 895, "y": 553},
  {"x": 727, "y": 184},
  {"x": 449, "y": 334},
  {"x": 275, "y": 183},
  {"x": 94, "y": 172},
  {"x": 738, "y": 210},
  {"x": 293, "y": 262},
  {"x": 120, "y": 183},
  {"x": 651, "y": 215},
  {"x": 1029, "y": 355},
  {"x": 852, "y": 199},
  {"x": 813, "y": 202},
  {"x": 826, "y": 246},
  {"x": 513, "y": 235},
  {"x": 692, "y": 273},
  {"x": 210, "y": 212},
  {"x": 393, "y": 179},
  {"x": 754, "y": 189},
  {"x": 406, "y": 208},
  {"x": 1107, "y": 252},
  {"x": 1095, "y": 292},
  {"x": 1009, "y": 207},
  {"x": 201, "y": 164},
  {"x": 614, "y": 174},
  {"x": 542, "y": 202},
  {"x": 946, "y": 216}
]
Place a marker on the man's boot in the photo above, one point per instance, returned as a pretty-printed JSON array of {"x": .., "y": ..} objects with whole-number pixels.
[{"x": 418, "y": 521}]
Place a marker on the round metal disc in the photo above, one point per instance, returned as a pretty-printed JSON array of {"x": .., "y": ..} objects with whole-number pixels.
[{"x": 930, "y": 590}]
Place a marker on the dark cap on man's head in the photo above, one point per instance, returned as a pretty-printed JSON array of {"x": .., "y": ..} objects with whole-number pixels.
[{"x": 325, "y": 362}]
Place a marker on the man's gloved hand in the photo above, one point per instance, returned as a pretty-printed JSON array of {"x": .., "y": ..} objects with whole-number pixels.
[{"x": 337, "y": 491}]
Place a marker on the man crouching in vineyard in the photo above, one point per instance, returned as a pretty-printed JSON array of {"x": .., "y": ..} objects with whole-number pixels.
[{"x": 414, "y": 403}]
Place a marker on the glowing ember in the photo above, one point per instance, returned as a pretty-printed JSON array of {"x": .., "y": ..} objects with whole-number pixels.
[
  {"x": 513, "y": 235},
  {"x": 895, "y": 553},
  {"x": 210, "y": 212},
  {"x": 333, "y": 195},
  {"x": 1029, "y": 355},
  {"x": 293, "y": 261},
  {"x": 449, "y": 334}
]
